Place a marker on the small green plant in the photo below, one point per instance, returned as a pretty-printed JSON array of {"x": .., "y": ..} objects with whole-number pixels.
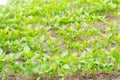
[{"x": 59, "y": 38}]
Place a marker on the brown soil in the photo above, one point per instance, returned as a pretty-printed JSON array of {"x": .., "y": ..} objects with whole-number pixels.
[{"x": 100, "y": 76}]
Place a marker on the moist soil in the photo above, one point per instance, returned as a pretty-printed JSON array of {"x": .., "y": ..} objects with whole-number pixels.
[{"x": 100, "y": 76}]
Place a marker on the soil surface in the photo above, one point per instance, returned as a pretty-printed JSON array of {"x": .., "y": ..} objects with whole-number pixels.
[{"x": 100, "y": 76}]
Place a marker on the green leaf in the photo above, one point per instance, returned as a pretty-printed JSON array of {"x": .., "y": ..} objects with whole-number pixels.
[
  {"x": 66, "y": 66},
  {"x": 42, "y": 38},
  {"x": 26, "y": 49},
  {"x": 1, "y": 51},
  {"x": 64, "y": 54},
  {"x": 83, "y": 55},
  {"x": 17, "y": 55}
]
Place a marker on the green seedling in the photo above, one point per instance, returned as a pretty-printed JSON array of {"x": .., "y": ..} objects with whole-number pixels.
[{"x": 53, "y": 39}]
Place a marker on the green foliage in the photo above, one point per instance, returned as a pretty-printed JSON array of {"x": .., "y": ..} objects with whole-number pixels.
[{"x": 59, "y": 37}]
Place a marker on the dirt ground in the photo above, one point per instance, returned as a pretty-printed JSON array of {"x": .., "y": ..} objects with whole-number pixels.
[{"x": 100, "y": 76}]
